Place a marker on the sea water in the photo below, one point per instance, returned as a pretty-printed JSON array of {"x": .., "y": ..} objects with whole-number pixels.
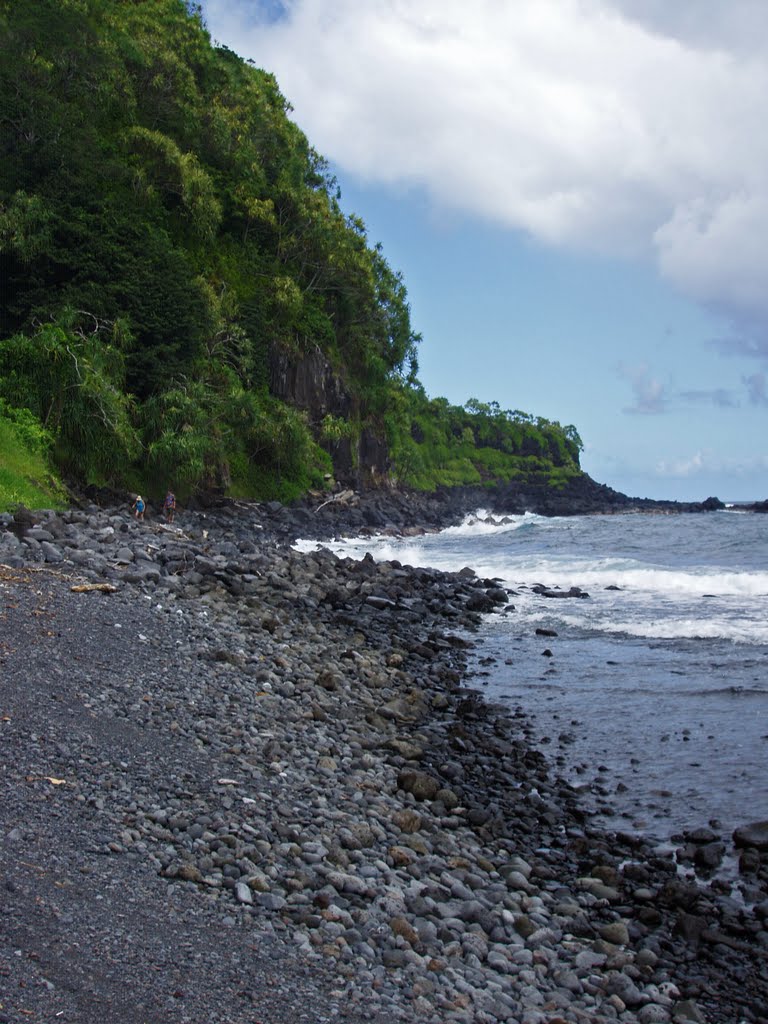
[{"x": 652, "y": 698}]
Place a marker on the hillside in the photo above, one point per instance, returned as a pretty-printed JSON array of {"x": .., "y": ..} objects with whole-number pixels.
[{"x": 185, "y": 297}]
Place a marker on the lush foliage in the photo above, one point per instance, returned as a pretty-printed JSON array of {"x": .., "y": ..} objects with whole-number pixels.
[
  {"x": 25, "y": 476},
  {"x": 71, "y": 378},
  {"x": 438, "y": 444},
  {"x": 168, "y": 237}
]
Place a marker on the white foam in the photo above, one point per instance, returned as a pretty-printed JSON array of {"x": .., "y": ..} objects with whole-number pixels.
[
  {"x": 644, "y": 600},
  {"x": 476, "y": 524},
  {"x": 482, "y": 523},
  {"x": 307, "y": 546},
  {"x": 753, "y": 632},
  {"x": 652, "y": 581},
  {"x": 516, "y": 567}
]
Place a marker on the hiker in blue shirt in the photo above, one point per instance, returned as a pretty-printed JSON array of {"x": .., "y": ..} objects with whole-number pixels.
[{"x": 138, "y": 506}]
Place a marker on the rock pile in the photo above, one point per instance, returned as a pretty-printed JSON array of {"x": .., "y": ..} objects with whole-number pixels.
[{"x": 287, "y": 738}]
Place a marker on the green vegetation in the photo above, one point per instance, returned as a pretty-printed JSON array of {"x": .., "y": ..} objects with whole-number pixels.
[
  {"x": 25, "y": 478},
  {"x": 184, "y": 298},
  {"x": 481, "y": 444}
]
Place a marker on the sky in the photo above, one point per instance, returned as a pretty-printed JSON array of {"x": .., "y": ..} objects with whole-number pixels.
[{"x": 576, "y": 193}]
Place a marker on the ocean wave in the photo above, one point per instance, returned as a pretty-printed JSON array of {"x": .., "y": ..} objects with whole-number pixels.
[
  {"x": 685, "y": 599},
  {"x": 483, "y": 523},
  {"x": 666, "y": 627},
  {"x": 631, "y": 576}
]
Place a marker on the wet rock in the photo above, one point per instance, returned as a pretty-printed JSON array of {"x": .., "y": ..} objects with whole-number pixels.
[
  {"x": 749, "y": 861},
  {"x": 555, "y": 593},
  {"x": 754, "y": 835},
  {"x": 709, "y": 855},
  {"x": 691, "y": 927},
  {"x": 479, "y": 601}
]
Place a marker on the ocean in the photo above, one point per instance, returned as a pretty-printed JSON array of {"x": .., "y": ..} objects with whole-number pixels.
[{"x": 652, "y": 697}]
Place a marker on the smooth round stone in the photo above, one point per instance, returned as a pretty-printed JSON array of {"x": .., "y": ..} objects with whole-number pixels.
[
  {"x": 652, "y": 1013},
  {"x": 243, "y": 894},
  {"x": 644, "y": 895},
  {"x": 615, "y": 932}
]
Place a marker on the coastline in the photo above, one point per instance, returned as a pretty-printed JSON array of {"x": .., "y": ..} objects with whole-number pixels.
[{"x": 280, "y": 747}]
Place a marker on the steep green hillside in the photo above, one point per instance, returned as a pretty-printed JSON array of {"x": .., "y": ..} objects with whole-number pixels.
[
  {"x": 184, "y": 298},
  {"x": 25, "y": 476}
]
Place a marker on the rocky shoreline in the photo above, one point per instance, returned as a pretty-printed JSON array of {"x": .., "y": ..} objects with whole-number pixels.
[{"x": 243, "y": 784}]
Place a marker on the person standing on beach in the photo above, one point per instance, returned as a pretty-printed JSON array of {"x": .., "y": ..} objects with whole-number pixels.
[
  {"x": 138, "y": 507},
  {"x": 169, "y": 506}
]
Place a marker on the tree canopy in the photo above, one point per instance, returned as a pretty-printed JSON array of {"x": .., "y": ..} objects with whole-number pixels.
[{"x": 170, "y": 242}]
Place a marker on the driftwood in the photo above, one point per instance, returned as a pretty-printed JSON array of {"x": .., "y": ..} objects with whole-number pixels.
[
  {"x": 87, "y": 588},
  {"x": 341, "y": 496}
]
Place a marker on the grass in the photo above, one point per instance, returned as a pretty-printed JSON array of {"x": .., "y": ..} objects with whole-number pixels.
[{"x": 25, "y": 477}]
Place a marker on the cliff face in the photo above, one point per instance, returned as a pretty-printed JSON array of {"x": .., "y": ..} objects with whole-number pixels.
[{"x": 310, "y": 383}]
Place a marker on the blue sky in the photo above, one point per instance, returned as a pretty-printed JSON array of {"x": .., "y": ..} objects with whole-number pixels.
[{"x": 576, "y": 192}]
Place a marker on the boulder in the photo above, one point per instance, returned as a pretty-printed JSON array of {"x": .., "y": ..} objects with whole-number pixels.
[
  {"x": 479, "y": 601},
  {"x": 51, "y": 553},
  {"x": 755, "y": 834},
  {"x": 709, "y": 855}
]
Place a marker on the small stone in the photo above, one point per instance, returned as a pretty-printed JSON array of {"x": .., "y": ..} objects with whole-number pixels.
[
  {"x": 190, "y": 873},
  {"x": 400, "y": 926},
  {"x": 243, "y": 894},
  {"x": 615, "y": 932},
  {"x": 421, "y": 785},
  {"x": 524, "y": 926},
  {"x": 271, "y": 901},
  {"x": 400, "y": 856},
  {"x": 407, "y": 750},
  {"x": 687, "y": 1012},
  {"x": 448, "y": 798},
  {"x": 407, "y": 821},
  {"x": 652, "y": 1013},
  {"x": 587, "y": 959}
]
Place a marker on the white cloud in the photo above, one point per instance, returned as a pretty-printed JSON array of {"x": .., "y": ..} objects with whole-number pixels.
[
  {"x": 707, "y": 462},
  {"x": 718, "y": 250},
  {"x": 682, "y": 467},
  {"x": 614, "y": 125},
  {"x": 650, "y": 394}
]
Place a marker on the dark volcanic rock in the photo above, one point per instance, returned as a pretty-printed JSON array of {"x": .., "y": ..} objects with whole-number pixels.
[
  {"x": 754, "y": 835},
  {"x": 550, "y": 592},
  {"x": 245, "y": 783}
]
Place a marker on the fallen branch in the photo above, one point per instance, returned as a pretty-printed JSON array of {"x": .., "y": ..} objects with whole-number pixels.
[{"x": 341, "y": 496}]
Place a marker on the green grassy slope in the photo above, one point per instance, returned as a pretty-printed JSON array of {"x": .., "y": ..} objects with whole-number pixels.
[{"x": 25, "y": 478}]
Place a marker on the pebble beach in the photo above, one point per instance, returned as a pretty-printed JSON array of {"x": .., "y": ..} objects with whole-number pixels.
[{"x": 247, "y": 785}]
